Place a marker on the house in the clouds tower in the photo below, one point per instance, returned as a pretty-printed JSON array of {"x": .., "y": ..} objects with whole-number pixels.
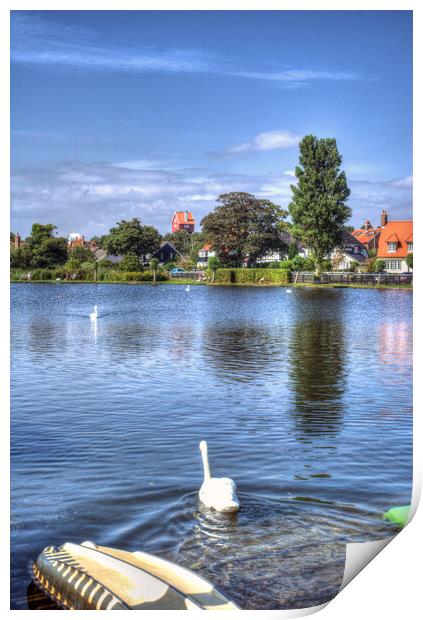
[{"x": 183, "y": 220}]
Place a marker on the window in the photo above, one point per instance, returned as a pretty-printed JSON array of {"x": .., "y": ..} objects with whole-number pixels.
[
  {"x": 392, "y": 246},
  {"x": 393, "y": 265},
  {"x": 409, "y": 246}
]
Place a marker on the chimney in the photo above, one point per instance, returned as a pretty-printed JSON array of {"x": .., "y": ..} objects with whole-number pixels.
[
  {"x": 17, "y": 241},
  {"x": 186, "y": 216},
  {"x": 383, "y": 218}
]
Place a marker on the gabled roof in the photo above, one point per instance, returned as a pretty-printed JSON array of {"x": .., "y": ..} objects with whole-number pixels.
[
  {"x": 366, "y": 236},
  {"x": 358, "y": 257},
  {"x": 395, "y": 231},
  {"x": 163, "y": 243},
  {"x": 181, "y": 219},
  {"x": 349, "y": 239}
]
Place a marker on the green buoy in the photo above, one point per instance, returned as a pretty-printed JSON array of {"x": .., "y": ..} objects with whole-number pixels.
[{"x": 398, "y": 515}]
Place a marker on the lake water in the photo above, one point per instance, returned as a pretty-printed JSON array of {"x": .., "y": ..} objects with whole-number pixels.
[{"x": 305, "y": 400}]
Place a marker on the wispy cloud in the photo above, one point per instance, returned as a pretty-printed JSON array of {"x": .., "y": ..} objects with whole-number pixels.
[
  {"x": 41, "y": 42},
  {"x": 266, "y": 141},
  {"x": 298, "y": 78}
]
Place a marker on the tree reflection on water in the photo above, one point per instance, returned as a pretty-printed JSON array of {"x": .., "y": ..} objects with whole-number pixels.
[{"x": 317, "y": 373}]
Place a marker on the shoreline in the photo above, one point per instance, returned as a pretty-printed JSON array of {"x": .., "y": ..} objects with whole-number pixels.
[{"x": 185, "y": 282}]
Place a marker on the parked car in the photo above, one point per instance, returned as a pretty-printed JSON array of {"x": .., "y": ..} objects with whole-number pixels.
[{"x": 177, "y": 270}]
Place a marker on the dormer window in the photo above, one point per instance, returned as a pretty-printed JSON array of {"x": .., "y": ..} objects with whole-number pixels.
[
  {"x": 409, "y": 246},
  {"x": 392, "y": 246}
]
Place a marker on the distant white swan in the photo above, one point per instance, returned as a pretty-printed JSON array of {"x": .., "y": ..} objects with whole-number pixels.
[
  {"x": 288, "y": 290},
  {"x": 187, "y": 289},
  {"x": 217, "y": 493},
  {"x": 94, "y": 315}
]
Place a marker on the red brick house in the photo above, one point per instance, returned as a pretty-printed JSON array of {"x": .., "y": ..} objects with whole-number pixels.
[{"x": 183, "y": 220}]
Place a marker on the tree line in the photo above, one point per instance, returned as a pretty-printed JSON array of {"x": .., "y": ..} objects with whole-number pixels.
[{"x": 241, "y": 229}]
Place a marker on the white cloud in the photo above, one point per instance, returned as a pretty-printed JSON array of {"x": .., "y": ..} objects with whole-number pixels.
[
  {"x": 289, "y": 173},
  {"x": 266, "y": 141},
  {"x": 405, "y": 182}
]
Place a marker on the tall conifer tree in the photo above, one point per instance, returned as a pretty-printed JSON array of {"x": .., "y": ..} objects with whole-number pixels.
[{"x": 318, "y": 207}]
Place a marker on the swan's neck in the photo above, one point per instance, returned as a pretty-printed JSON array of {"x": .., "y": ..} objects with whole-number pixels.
[
  {"x": 206, "y": 466},
  {"x": 95, "y": 309}
]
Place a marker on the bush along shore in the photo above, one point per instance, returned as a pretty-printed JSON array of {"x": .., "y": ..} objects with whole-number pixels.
[
  {"x": 220, "y": 277},
  {"x": 242, "y": 276}
]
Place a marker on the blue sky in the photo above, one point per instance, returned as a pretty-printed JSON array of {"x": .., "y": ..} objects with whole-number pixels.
[{"x": 119, "y": 114}]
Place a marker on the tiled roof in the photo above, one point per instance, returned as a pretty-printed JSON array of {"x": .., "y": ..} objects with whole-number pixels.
[
  {"x": 366, "y": 236},
  {"x": 395, "y": 231},
  {"x": 180, "y": 217}
]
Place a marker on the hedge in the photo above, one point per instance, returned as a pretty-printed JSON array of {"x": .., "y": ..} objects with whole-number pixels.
[
  {"x": 252, "y": 276},
  {"x": 130, "y": 276},
  {"x": 82, "y": 274}
]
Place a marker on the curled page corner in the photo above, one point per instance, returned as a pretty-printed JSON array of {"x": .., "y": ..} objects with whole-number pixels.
[{"x": 358, "y": 555}]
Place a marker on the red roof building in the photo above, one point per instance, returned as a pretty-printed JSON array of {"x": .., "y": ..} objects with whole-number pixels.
[
  {"x": 367, "y": 235},
  {"x": 392, "y": 241},
  {"x": 183, "y": 220},
  {"x": 395, "y": 243}
]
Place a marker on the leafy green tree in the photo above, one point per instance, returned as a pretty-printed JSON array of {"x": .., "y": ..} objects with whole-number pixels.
[
  {"x": 244, "y": 227},
  {"x": 301, "y": 263},
  {"x": 292, "y": 250},
  {"x": 98, "y": 240},
  {"x": 154, "y": 265},
  {"x": 40, "y": 232},
  {"x": 20, "y": 258},
  {"x": 379, "y": 266},
  {"x": 213, "y": 264},
  {"x": 409, "y": 260},
  {"x": 81, "y": 254},
  {"x": 41, "y": 249},
  {"x": 318, "y": 207},
  {"x": 131, "y": 237},
  {"x": 49, "y": 252},
  {"x": 130, "y": 262},
  {"x": 181, "y": 241}
]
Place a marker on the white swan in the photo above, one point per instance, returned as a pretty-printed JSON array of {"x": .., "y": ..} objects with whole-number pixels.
[
  {"x": 187, "y": 289},
  {"x": 217, "y": 493},
  {"x": 94, "y": 315},
  {"x": 288, "y": 290}
]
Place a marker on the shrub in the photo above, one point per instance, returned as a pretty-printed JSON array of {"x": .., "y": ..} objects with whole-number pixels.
[
  {"x": 41, "y": 274},
  {"x": 301, "y": 263},
  {"x": 252, "y": 276},
  {"x": 130, "y": 262},
  {"x": 131, "y": 276},
  {"x": 105, "y": 263}
]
